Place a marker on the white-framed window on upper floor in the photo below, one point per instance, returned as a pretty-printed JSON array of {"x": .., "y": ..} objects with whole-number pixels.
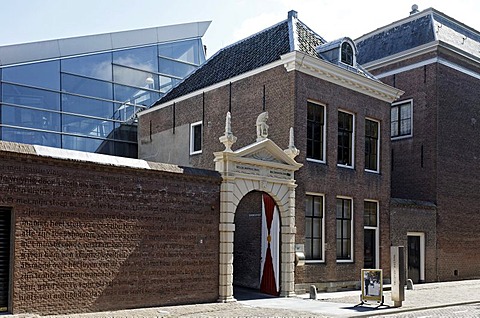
[
  {"x": 402, "y": 119},
  {"x": 314, "y": 228},
  {"x": 196, "y": 138},
  {"x": 344, "y": 229},
  {"x": 347, "y": 53},
  {"x": 372, "y": 145},
  {"x": 371, "y": 235},
  {"x": 316, "y": 130},
  {"x": 346, "y": 139}
]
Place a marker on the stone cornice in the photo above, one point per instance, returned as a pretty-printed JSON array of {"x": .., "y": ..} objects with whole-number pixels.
[{"x": 298, "y": 61}]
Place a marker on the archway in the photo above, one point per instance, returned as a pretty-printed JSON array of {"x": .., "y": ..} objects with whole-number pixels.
[
  {"x": 264, "y": 167},
  {"x": 257, "y": 241}
]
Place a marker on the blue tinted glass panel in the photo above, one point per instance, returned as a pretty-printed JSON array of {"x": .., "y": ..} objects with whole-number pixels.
[
  {"x": 87, "y": 106},
  {"x": 30, "y": 118},
  {"x": 45, "y": 74},
  {"x": 84, "y": 144},
  {"x": 169, "y": 67},
  {"x": 128, "y": 76},
  {"x": 187, "y": 51},
  {"x": 166, "y": 83},
  {"x": 137, "y": 96},
  {"x": 30, "y": 137},
  {"x": 38, "y": 98},
  {"x": 98, "y": 66},
  {"x": 86, "y": 126},
  {"x": 85, "y": 86},
  {"x": 144, "y": 58}
]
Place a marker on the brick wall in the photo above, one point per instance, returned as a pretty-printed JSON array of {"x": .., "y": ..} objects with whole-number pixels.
[
  {"x": 458, "y": 174},
  {"x": 414, "y": 216},
  {"x": 286, "y": 101},
  {"x": 446, "y": 114},
  {"x": 332, "y": 181},
  {"x": 92, "y": 237}
]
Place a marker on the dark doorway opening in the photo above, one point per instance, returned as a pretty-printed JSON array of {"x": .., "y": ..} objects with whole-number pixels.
[
  {"x": 256, "y": 247},
  {"x": 414, "y": 258},
  {"x": 370, "y": 248}
]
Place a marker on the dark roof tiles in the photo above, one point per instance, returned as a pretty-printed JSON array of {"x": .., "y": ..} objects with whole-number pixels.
[{"x": 252, "y": 53}]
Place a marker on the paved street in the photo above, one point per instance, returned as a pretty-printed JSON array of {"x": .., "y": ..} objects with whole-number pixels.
[
  {"x": 449, "y": 299},
  {"x": 463, "y": 311}
]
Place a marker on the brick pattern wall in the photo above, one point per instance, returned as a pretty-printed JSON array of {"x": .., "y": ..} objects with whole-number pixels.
[
  {"x": 416, "y": 218},
  {"x": 286, "y": 101},
  {"x": 458, "y": 174},
  {"x": 332, "y": 181},
  {"x": 90, "y": 237},
  {"x": 414, "y": 159},
  {"x": 445, "y": 123}
]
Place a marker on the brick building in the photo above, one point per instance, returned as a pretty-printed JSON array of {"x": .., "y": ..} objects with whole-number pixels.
[
  {"x": 435, "y": 139},
  {"x": 340, "y": 116},
  {"x": 84, "y": 232}
]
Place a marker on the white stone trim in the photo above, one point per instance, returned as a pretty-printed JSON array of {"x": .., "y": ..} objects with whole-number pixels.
[
  {"x": 422, "y": 252},
  {"x": 243, "y": 173},
  {"x": 298, "y": 61}
]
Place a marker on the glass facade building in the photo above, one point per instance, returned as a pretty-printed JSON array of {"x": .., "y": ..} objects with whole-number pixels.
[{"x": 83, "y": 93}]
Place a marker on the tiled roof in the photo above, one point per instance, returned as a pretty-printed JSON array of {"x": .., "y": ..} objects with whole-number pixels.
[
  {"x": 251, "y": 53},
  {"x": 395, "y": 40},
  {"x": 416, "y": 30}
]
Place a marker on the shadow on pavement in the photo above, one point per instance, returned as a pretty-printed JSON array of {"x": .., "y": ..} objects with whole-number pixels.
[{"x": 243, "y": 293}]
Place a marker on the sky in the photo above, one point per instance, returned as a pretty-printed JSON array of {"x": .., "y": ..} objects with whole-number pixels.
[{"x": 232, "y": 20}]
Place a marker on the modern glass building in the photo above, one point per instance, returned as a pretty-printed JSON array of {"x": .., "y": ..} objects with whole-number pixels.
[{"x": 83, "y": 93}]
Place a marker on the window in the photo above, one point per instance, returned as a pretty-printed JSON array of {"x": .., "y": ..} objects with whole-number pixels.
[
  {"x": 345, "y": 139},
  {"x": 314, "y": 226},
  {"x": 372, "y": 145},
  {"x": 344, "y": 229},
  {"x": 370, "y": 213},
  {"x": 315, "y": 132},
  {"x": 370, "y": 234},
  {"x": 196, "y": 138},
  {"x": 401, "y": 119},
  {"x": 347, "y": 53}
]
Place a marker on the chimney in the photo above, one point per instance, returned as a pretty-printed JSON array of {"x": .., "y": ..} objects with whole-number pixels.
[
  {"x": 292, "y": 14},
  {"x": 414, "y": 9}
]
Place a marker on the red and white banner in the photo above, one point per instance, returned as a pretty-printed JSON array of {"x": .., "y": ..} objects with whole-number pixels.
[{"x": 269, "y": 274}]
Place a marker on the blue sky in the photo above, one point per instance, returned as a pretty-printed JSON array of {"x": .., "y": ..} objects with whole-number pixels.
[{"x": 35, "y": 20}]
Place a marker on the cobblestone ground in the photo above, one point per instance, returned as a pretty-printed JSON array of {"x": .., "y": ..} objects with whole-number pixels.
[
  {"x": 463, "y": 311},
  {"x": 228, "y": 310}
]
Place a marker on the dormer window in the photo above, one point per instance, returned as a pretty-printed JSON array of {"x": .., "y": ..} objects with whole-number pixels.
[{"x": 347, "y": 54}]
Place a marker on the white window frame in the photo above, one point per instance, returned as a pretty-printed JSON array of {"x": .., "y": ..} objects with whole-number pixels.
[
  {"x": 377, "y": 233},
  {"x": 378, "y": 146},
  {"x": 352, "y": 245},
  {"x": 411, "y": 119},
  {"x": 324, "y": 146},
  {"x": 353, "y": 139},
  {"x": 354, "y": 52},
  {"x": 422, "y": 252},
  {"x": 192, "y": 137},
  {"x": 315, "y": 261}
]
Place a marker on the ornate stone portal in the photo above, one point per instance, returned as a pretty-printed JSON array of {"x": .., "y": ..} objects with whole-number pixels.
[{"x": 261, "y": 166}]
